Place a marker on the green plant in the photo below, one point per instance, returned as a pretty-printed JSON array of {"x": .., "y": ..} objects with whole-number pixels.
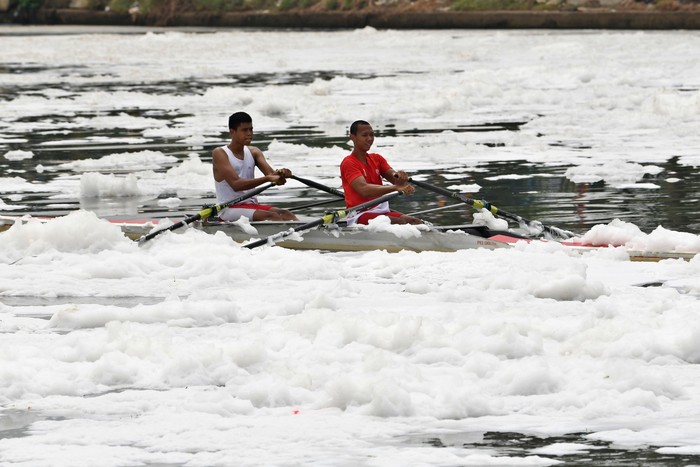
[
  {"x": 286, "y": 4},
  {"x": 492, "y": 5},
  {"x": 28, "y": 5},
  {"x": 218, "y": 5},
  {"x": 257, "y": 4},
  {"x": 148, "y": 6},
  {"x": 207, "y": 5},
  {"x": 119, "y": 6}
]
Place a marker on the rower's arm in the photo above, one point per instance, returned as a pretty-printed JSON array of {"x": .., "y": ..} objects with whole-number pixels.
[
  {"x": 264, "y": 166},
  {"x": 223, "y": 170},
  {"x": 394, "y": 177},
  {"x": 369, "y": 190},
  {"x": 399, "y": 180}
]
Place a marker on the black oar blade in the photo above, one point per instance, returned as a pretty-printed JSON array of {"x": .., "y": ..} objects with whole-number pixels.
[{"x": 558, "y": 234}]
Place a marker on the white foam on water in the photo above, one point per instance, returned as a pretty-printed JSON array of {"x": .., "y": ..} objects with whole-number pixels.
[{"x": 340, "y": 358}]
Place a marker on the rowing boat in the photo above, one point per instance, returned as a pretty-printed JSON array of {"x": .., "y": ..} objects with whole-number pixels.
[
  {"x": 391, "y": 238},
  {"x": 332, "y": 237},
  {"x": 338, "y": 237}
]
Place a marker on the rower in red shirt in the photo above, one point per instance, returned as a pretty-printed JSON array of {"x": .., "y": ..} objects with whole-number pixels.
[{"x": 362, "y": 172}]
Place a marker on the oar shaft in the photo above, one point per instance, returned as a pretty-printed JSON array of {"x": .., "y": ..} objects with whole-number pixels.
[
  {"x": 207, "y": 212},
  {"x": 329, "y": 217},
  {"x": 319, "y": 186},
  {"x": 374, "y": 202},
  {"x": 247, "y": 195},
  {"x": 280, "y": 235},
  {"x": 176, "y": 225},
  {"x": 311, "y": 205},
  {"x": 452, "y": 194},
  {"x": 441, "y": 208},
  {"x": 476, "y": 204}
]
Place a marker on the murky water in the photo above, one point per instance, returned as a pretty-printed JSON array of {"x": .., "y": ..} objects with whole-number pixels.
[
  {"x": 587, "y": 450},
  {"x": 567, "y": 449},
  {"x": 552, "y": 199},
  {"x": 549, "y": 197}
]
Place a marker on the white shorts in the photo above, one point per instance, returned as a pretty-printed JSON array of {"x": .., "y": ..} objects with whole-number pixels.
[
  {"x": 381, "y": 208},
  {"x": 233, "y": 214}
]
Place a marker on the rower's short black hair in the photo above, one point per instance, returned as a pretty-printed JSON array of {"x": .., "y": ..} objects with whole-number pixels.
[
  {"x": 237, "y": 118},
  {"x": 355, "y": 124}
]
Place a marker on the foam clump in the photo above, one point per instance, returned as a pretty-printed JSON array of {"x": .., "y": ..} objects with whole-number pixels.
[
  {"x": 620, "y": 233},
  {"x": 79, "y": 231}
]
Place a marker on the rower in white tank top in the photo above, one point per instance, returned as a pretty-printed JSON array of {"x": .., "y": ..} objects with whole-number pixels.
[
  {"x": 235, "y": 164},
  {"x": 244, "y": 168}
]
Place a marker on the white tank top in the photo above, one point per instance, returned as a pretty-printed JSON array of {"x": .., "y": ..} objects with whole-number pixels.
[{"x": 244, "y": 168}]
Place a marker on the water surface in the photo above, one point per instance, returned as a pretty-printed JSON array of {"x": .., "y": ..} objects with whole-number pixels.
[{"x": 544, "y": 193}]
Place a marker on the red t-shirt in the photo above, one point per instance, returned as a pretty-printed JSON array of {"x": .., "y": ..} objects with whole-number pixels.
[{"x": 352, "y": 167}]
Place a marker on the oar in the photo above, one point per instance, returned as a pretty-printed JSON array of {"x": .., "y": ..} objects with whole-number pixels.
[
  {"x": 441, "y": 208},
  {"x": 207, "y": 212},
  {"x": 476, "y": 204},
  {"x": 320, "y": 186},
  {"x": 311, "y": 205},
  {"x": 328, "y": 218}
]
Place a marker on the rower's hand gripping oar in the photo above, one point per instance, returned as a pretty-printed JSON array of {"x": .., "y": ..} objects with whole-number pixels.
[
  {"x": 207, "y": 212},
  {"x": 329, "y": 218},
  {"x": 555, "y": 232}
]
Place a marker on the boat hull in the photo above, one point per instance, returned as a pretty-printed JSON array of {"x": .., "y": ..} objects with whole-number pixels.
[
  {"x": 361, "y": 238},
  {"x": 335, "y": 238}
]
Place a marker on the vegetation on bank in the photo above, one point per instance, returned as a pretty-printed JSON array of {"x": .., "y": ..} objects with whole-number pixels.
[{"x": 167, "y": 8}]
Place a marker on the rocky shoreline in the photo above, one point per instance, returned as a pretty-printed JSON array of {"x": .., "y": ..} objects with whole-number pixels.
[{"x": 388, "y": 19}]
